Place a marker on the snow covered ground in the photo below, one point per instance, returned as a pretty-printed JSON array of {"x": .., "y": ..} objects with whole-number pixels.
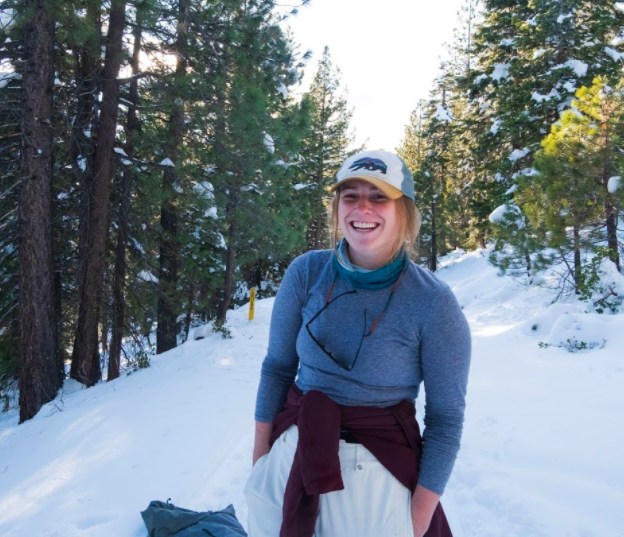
[{"x": 541, "y": 456}]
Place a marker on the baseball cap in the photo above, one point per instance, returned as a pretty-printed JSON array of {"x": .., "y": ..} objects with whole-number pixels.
[{"x": 387, "y": 171}]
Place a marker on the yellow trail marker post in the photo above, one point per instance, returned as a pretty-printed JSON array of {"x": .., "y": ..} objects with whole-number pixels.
[{"x": 252, "y": 301}]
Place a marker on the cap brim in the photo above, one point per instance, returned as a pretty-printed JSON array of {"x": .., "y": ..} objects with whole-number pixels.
[{"x": 390, "y": 191}]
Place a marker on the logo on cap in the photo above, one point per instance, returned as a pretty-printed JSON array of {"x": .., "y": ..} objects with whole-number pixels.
[{"x": 370, "y": 164}]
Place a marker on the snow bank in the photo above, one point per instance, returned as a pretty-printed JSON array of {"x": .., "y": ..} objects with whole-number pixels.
[
  {"x": 542, "y": 323},
  {"x": 540, "y": 457},
  {"x": 584, "y": 332}
]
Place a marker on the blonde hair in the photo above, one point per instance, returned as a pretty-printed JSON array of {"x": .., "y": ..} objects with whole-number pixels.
[{"x": 408, "y": 217}]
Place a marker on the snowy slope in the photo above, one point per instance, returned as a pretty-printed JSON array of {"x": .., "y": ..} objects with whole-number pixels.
[{"x": 541, "y": 454}]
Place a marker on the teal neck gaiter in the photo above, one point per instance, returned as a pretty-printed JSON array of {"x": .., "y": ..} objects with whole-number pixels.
[{"x": 361, "y": 278}]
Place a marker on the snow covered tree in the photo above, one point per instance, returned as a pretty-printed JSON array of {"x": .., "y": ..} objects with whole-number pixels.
[
  {"x": 532, "y": 57},
  {"x": 429, "y": 150},
  {"x": 571, "y": 197},
  {"x": 250, "y": 183}
]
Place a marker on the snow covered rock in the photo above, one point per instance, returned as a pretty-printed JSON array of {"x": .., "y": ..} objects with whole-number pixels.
[
  {"x": 581, "y": 332},
  {"x": 202, "y": 331}
]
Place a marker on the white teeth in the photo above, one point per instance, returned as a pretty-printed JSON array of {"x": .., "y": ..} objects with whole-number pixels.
[{"x": 365, "y": 225}]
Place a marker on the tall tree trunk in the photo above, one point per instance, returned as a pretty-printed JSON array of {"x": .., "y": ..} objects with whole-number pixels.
[
  {"x": 119, "y": 301},
  {"x": 166, "y": 332},
  {"x": 481, "y": 235},
  {"x": 189, "y": 311},
  {"x": 40, "y": 370},
  {"x": 230, "y": 261},
  {"x": 529, "y": 268},
  {"x": 577, "y": 260},
  {"x": 608, "y": 170},
  {"x": 104, "y": 307},
  {"x": 612, "y": 238},
  {"x": 85, "y": 359},
  {"x": 230, "y": 264}
]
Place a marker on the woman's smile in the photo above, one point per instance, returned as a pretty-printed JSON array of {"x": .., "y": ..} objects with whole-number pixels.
[{"x": 364, "y": 226}]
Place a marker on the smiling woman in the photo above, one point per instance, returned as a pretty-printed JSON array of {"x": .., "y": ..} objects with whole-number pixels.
[
  {"x": 355, "y": 330},
  {"x": 389, "y": 211}
]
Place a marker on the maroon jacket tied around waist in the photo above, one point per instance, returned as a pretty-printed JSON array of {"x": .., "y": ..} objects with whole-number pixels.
[{"x": 391, "y": 434}]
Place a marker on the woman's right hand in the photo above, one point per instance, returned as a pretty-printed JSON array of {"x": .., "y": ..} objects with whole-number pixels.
[
  {"x": 259, "y": 453},
  {"x": 261, "y": 442}
]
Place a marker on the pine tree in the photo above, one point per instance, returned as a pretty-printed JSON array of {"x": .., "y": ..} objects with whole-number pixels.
[
  {"x": 324, "y": 149},
  {"x": 532, "y": 58},
  {"x": 577, "y": 160},
  {"x": 248, "y": 180},
  {"x": 427, "y": 148}
]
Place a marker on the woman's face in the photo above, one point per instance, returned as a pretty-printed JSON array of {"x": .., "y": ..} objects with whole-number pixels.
[{"x": 368, "y": 221}]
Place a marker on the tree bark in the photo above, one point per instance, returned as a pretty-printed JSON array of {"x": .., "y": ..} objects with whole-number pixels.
[
  {"x": 40, "y": 369},
  {"x": 132, "y": 127},
  {"x": 230, "y": 261},
  {"x": 608, "y": 170},
  {"x": 612, "y": 238},
  {"x": 166, "y": 332},
  {"x": 482, "y": 243},
  {"x": 529, "y": 267},
  {"x": 228, "y": 286},
  {"x": 87, "y": 69},
  {"x": 85, "y": 358},
  {"x": 577, "y": 260},
  {"x": 189, "y": 311}
]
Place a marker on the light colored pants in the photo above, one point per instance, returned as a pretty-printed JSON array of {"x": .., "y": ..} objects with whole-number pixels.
[{"x": 373, "y": 503}]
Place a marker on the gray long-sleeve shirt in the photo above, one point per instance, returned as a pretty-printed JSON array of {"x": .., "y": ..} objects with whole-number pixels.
[{"x": 422, "y": 336}]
